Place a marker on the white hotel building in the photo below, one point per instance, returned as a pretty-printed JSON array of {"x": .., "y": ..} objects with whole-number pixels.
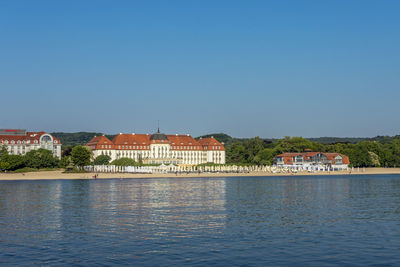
[
  {"x": 20, "y": 142},
  {"x": 159, "y": 148}
]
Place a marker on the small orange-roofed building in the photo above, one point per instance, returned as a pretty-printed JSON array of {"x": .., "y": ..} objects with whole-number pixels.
[{"x": 312, "y": 158}]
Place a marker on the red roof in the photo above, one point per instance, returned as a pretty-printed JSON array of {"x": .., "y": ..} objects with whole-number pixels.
[
  {"x": 132, "y": 141},
  {"x": 307, "y": 155},
  {"x": 211, "y": 144},
  {"x": 183, "y": 142},
  {"x": 29, "y": 138},
  {"x": 142, "y": 142},
  {"x": 100, "y": 142}
]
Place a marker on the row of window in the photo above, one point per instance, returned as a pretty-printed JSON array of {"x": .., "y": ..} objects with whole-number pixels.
[
  {"x": 19, "y": 142},
  {"x": 173, "y": 147},
  {"x": 23, "y": 142}
]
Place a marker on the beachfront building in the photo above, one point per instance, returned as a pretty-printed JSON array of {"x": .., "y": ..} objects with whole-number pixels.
[
  {"x": 20, "y": 142},
  {"x": 312, "y": 158},
  {"x": 159, "y": 148}
]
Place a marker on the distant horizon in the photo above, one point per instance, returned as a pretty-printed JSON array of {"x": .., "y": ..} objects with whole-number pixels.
[
  {"x": 307, "y": 137},
  {"x": 194, "y": 135}
]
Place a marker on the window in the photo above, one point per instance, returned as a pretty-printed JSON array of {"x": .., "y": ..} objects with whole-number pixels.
[
  {"x": 299, "y": 158},
  {"x": 45, "y": 138}
]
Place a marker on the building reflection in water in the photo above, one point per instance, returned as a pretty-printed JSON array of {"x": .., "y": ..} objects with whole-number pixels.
[
  {"x": 146, "y": 208},
  {"x": 162, "y": 207}
]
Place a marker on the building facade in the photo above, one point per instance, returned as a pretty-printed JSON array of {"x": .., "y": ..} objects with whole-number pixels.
[
  {"x": 159, "y": 148},
  {"x": 312, "y": 158},
  {"x": 20, "y": 142}
]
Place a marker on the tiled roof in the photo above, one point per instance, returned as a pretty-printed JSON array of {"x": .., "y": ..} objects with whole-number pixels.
[
  {"x": 100, "y": 142},
  {"x": 183, "y": 142},
  {"x": 139, "y": 141},
  {"x": 30, "y": 138},
  {"x": 211, "y": 144},
  {"x": 142, "y": 142},
  {"x": 308, "y": 155}
]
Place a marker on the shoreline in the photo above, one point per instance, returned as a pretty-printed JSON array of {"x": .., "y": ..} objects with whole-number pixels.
[{"x": 59, "y": 175}]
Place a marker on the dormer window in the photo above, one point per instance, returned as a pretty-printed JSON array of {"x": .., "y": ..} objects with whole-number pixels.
[
  {"x": 55, "y": 141},
  {"x": 12, "y": 142}
]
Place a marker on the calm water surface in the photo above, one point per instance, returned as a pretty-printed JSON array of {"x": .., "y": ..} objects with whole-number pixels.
[{"x": 248, "y": 221}]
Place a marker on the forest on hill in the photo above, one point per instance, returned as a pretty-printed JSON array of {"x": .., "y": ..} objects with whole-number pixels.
[
  {"x": 77, "y": 139},
  {"x": 383, "y": 151}
]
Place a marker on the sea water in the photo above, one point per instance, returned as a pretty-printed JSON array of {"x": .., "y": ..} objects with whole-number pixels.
[{"x": 230, "y": 221}]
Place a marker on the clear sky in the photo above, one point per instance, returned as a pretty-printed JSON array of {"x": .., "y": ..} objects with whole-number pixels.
[{"x": 246, "y": 68}]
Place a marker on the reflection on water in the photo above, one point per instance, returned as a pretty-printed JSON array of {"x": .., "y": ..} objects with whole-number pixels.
[{"x": 199, "y": 221}]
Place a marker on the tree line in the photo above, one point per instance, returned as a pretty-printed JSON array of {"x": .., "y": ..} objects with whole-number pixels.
[{"x": 43, "y": 159}]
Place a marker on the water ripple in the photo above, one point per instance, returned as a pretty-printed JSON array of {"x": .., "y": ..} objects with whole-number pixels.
[{"x": 251, "y": 221}]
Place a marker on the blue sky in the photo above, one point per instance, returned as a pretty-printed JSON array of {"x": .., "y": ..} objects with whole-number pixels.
[{"x": 246, "y": 68}]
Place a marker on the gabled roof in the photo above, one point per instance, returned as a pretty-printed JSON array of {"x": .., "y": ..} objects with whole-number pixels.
[
  {"x": 211, "y": 144},
  {"x": 143, "y": 142},
  {"x": 183, "y": 140},
  {"x": 98, "y": 141},
  {"x": 132, "y": 139}
]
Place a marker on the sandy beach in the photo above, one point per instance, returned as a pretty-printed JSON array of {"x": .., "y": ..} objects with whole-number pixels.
[{"x": 55, "y": 175}]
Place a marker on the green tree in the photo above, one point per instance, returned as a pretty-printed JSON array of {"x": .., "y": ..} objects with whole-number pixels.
[
  {"x": 65, "y": 162},
  {"x": 3, "y": 151},
  {"x": 102, "y": 160},
  {"x": 374, "y": 158},
  {"x": 12, "y": 162},
  {"x": 237, "y": 153},
  {"x": 265, "y": 157},
  {"x": 80, "y": 156},
  {"x": 124, "y": 162},
  {"x": 4, "y": 165},
  {"x": 253, "y": 147},
  {"x": 40, "y": 158},
  {"x": 295, "y": 144}
]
